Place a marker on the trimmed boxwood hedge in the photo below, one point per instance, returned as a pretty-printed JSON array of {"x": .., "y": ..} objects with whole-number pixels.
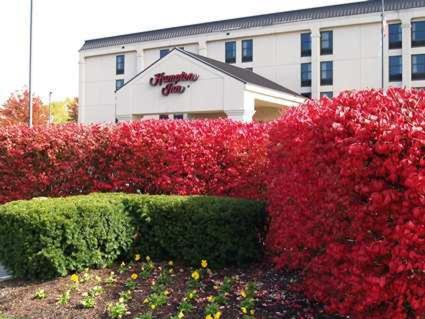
[{"x": 46, "y": 238}]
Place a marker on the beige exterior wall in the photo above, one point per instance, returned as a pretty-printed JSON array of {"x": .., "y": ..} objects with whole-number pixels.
[{"x": 356, "y": 57}]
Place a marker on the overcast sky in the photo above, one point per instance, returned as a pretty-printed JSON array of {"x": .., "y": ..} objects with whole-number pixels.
[{"x": 61, "y": 26}]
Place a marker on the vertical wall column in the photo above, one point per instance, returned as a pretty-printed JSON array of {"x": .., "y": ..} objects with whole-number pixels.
[
  {"x": 140, "y": 60},
  {"x": 203, "y": 50},
  {"x": 315, "y": 63},
  {"x": 247, "y": 113},
  {"x": 407, "y": 56},
  {"x": 82, "y": 90}
]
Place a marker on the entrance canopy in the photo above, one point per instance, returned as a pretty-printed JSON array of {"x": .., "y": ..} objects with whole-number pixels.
[{"x": 187, "y": 85}]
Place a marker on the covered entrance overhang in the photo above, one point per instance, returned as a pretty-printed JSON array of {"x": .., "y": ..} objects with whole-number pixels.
[{"x": 189, "y": 86}]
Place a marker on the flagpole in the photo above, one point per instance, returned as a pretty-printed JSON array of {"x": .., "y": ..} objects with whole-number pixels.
[
  {"x": 382, "y": 44},
  {"x": 30, "y": 120}
]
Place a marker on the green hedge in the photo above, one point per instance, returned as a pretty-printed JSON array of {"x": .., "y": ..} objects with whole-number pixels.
[
  {"x": 45, "y": 238},
  {"x": 222, "y": 230}
]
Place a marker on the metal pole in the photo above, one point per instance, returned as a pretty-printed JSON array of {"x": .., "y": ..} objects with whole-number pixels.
[
  {"x": 382, "y": 45},
  {"x": 50, "y": 108},
  {"x": 30, "y": 120}
]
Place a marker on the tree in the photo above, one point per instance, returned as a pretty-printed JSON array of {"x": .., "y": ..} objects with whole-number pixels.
[
  {"x": 73, "y": 110},
  {"x": 15, "y": 110}
]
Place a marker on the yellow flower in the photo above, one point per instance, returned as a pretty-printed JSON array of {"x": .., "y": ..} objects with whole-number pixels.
[
  {"x": 148, "y": 258},
  {"x": 252, "y": 312},
  {"x": 196, "y": 275},
  {"x": 153, "y": 307},
  {"x": 209, "y": 317},
  {"x": 137, "y": 257},
  {"x": 217, "y": 315},
  {"x": 243, "y": 293},
  {"x": 166, "y": 292},
  {"x": 243, "y": 309},
  {"x": 210, "y": 298},
  {"x": 191, "y": 296},
  {"x": 146, "y": 300},
  {"x": 170, "y": 263},
  {"x": 181, "y": 315},
  {"x": 204, "y": 263},
  {"x": 74, "y": 278},
  {"x": 134, "y": 276}
]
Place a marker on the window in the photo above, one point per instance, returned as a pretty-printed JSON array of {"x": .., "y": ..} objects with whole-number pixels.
[
  {"x": 163, "y": 53},
  {"x": 418, "y": 67},
  {"x": 418, "y": 34},
  {"x": 305, "y": 44},
  {"x": 326, "y": 73},
  {"x": 231, "y": 52},
  {"x": 307, "y": 95},
  {"x": 306, "y": 74},
  {"x": 327, "y": 94},
  {"x": 119, "y": 84},
  {"x": 395, "y": 36},
  {"x": 247, "y": 50},
  {"x": 178, "y": 116},
  {"x": 163, "y": 117},
  {"x": 120, "y": 64},
  {"x": 396, "y": 68},
  {"x": 326, "y": 42}
]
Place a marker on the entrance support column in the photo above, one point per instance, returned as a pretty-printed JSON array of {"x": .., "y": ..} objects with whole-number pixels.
[
  {"x": 246, "y": 114},
  {"x": 240, "y": 115}
]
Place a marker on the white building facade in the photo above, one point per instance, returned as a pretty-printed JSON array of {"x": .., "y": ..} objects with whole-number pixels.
[{"x": 310, "y": 52}]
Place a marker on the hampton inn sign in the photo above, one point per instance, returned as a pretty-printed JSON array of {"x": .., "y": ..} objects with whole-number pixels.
[{"x": 172, "y": 82}]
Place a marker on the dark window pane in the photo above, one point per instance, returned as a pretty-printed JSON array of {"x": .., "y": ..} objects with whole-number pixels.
[
  {"x": 396, "y": 68},
  {"x": 119, "y": 84},
  {"x": 231, "y": 52},
  {"x": 178, "y": 116},
  {"x": 307, "y": 95},
  {"x": 163, "y": 53},
  {"x": 327, "y": 94},
  {"x": 120, "y": 64},
  {"x": 326, "y": 42},
  {"x": 305, "y": 44},
  {"x": 305, "y": 74},
  {"x": 418, "y": 67},
  {"x": 164, "y": 117},
  {"x": 326, "y": 73},
  {"x": 418, "y": 34},
  {"x": 395, "y": 36},
  {"x": 247, "y": 50}
]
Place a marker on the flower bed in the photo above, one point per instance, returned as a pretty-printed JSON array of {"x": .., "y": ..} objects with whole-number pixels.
[
  {"x": 44, "y": 238},
  {"x": 145, "y": 289},
  {"x": 347, "y": 197}
]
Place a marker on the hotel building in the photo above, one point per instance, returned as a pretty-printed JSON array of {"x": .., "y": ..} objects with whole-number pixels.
[{"x": 252, "y": 68}]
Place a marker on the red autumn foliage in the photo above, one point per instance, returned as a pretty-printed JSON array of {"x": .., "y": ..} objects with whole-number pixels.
[
  {"x": 158, "y": 157},
  {"x": 15, "y": 110},
  {"x": 347, "y": 201}
]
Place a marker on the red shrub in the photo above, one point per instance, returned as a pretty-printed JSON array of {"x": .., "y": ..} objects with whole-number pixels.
[
  {"x": 347, "y": 201},
  {"x": 168, "y": 157}
]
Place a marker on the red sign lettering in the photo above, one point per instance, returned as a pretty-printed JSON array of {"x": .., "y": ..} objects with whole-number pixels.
[{"x": 172, "y": 81}]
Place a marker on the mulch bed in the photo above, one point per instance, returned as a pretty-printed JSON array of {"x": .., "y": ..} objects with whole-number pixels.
[{"x": 274, "y": 297}]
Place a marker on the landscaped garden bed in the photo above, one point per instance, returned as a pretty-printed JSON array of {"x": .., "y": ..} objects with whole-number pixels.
[{"x": 272, "y": 296}]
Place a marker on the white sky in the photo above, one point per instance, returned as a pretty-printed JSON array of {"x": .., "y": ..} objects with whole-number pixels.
[{"x": 61, "y": 26}]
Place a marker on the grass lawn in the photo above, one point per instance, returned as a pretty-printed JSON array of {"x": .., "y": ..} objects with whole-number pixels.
[{"x": 144, "y": 290}]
